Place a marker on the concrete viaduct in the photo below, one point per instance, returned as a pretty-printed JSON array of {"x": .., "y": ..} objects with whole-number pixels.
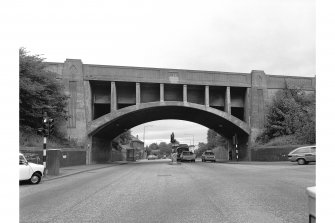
[{"x": 107, "y": 100}]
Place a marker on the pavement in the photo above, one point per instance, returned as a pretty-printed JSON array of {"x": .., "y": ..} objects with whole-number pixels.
[{"x": 72, "y": 170}]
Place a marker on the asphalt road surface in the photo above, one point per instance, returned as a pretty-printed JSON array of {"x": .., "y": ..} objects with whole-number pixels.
[{"x": 154, "y": 191}]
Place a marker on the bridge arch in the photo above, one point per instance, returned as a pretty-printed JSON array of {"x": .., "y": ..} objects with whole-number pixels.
[{"x": 116, "y": 122}]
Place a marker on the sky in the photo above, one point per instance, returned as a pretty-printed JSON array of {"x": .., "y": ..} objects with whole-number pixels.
[{"x": 277, "y": 36}]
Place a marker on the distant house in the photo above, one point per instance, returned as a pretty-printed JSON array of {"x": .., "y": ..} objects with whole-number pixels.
[
  {"x": 138, "y": 147},
  {"x": 132, "y": 151}
]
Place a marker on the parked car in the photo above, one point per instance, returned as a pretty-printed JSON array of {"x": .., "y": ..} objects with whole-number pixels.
[
  {"x": 30, "y": 171},
  {"x": 180, "y": 149},
  {"x": 187, "y": 156},
  {"x": 208, "y": 156},
  {"x": 303, "y": 155},
  {"x": 152, "y": 157},
  {"x": 311, "y": 193}
]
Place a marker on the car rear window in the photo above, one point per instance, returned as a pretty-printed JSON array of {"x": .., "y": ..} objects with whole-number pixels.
[
  {"x": 209, "y": 153},
  {"x": 186, "y": 153}
]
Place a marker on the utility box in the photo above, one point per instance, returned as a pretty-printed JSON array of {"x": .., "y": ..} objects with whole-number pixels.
[{"x": 53, "y": 161}]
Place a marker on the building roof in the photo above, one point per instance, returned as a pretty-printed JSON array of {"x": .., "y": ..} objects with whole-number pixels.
[{"x": 135, "y": 139}]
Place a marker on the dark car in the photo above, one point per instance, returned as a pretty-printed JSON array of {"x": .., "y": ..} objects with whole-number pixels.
[
  {"x": 303, "y": 155},
  {"x": 181, "y": 148}
]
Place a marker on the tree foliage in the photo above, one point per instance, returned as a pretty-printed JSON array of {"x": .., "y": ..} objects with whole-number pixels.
[
  {"x": 292, "y": 113},
  {"x": 160, "y": 149},
  {"x": 39, "y": 91},
  {"x": 123, "y": 138},
  {"x": 214, "y": 139}
]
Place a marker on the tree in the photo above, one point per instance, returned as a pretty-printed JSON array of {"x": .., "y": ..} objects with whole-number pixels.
[
  {"x": 153, "y": 149},
  {"x": 123, "y": 138},
  {"x": 39, "y": 91},
  {"x": 164, "y": 148},
  {"x": 202, "y": 147},
  {"x": 214, "y": 139},
  {"x": 292, "y": 113}
]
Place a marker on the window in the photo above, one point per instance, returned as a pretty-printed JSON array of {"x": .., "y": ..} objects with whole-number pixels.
[
  {"x": 303, "y": 150},
  {"x": 22, "y": 160}
]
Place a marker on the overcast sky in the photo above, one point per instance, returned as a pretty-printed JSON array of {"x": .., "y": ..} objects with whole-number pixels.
[{"x": 277, "y": 36}]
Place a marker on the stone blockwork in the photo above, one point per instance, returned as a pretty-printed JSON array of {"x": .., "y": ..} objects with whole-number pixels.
[{"x": 241, "y": 107}]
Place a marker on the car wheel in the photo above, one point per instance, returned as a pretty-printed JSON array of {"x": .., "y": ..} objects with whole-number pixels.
[
  {"x": 35, "y": 178},
  {"x": 301, "y": 161}
]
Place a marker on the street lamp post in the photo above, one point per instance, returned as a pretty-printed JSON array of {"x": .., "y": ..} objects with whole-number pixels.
[
  {"x": 144, "y": 133},
  {"x": 192, "y": 137}
]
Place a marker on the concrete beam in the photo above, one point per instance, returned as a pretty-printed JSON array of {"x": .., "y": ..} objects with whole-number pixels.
[
  {"x": 184, "y": 93},
  {"x": 138, "y": 93},
  {"x": 161, "y": 88},
  {"x": 227, "y": 106},
  {"x": 113, "y": 97},
  {"x": 207, "y": 96}
]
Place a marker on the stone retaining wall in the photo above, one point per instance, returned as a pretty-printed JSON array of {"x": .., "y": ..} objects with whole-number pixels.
[
  {"x": 272, "y": 153},
  {"x": 70, "y": 156}
]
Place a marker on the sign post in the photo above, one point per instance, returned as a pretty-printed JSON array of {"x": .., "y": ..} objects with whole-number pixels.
[{"x": 45, "y": 134}]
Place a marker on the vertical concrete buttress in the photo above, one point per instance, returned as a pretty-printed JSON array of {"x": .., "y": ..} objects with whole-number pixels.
[
  {"x": 207, "y": 96},
  {"x": 73, "y": 79},
  {"x": 113, "y": 97},
  {"x": 161, "y": 92},
  {"x": 258, "y": 93},
  {"x": 184, "y": 93},
  {"x": 227, "y": 106}
]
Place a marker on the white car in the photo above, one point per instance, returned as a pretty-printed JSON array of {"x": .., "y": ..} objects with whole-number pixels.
[
  {"x": 152, "y": 157},
  {"x": 30, "y": 171}
]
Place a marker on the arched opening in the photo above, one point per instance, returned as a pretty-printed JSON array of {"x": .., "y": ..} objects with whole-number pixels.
[{"x": 106, "y": 128}]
